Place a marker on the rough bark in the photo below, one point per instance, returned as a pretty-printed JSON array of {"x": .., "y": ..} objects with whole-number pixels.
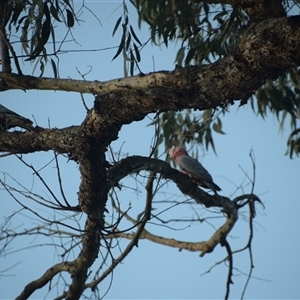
[
  {"x": 5, "y": 12},
  {"x": 268, "y": 48}
]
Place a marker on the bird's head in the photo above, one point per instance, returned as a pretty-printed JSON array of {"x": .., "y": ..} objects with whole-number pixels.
[{"x": 176, "y": 151}]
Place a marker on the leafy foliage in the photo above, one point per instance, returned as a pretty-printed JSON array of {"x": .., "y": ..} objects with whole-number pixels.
[
  {"x": 207, "y": 33},
  {"x": 282, "y": 98},
  {"x": 294, "y": 143},
  {"x": 180, "y": 128},
  {"x": 128, "y": 44},
  {"x": 34, "y": 21},
  {"x": 204, "y": 33}
]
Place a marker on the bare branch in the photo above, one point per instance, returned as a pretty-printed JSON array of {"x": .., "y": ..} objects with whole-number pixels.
[
  {"x": 134, "y": 164},
  {"x": 230, "y": 259},
  {"x": 135, "y": 237},
  {"x": 137, "y": 163},
  {"x": 44, "y": 279}
]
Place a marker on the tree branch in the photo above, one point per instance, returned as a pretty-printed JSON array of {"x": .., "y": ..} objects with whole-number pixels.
[
  {"x": 44, "y": 279},
  {"x": 63, "y": 140},
  {"x": 230, "y": 267},
  {"x": 5, "y": 13},
  {"x": 135, "y": 237},
  {"x": 135, "y": 164},
  {"x": 267, "y": 49}
]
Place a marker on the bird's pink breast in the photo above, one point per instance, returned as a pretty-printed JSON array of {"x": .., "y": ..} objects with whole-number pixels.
[{"x": 178, "y": 153}]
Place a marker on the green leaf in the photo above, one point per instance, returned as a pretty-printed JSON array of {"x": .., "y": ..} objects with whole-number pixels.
[
  {"x": 126, "y": 21},
  {"x": 206, "y": 8},
  {"x": 134, "y": 35},
  {"x": 180, "y": 56},
  {"x": 165, "y": 37},
  {"x": 172, "y": 33},
  {"x": 68, "y": 3},
  {"x": 46, "y": 31},
  {"x": 131, "y": 64},
  {"x": 294, "y": 143},
  {"x": 20, "y": 22},
  {"x": 24, "y": 37},
  {"x": 70, "y": 18},
  {"x": 220, "y": 15},
  {"x": 125, "y": 69},
  {"x": 167, "y": 131},
  {"x": 217, "y": 127},
  {"x": 54, "y": 68},
  {"x": 137, "y": 52},
  {"x": 16, "y": 13},
  {"x": 39, "y": 48},
  {"x": 125, "y": 7},
  {"x": 209, "y": 140},
  {"x": 190, "y": 56},
  {"x": 294, "y": 76},
  {"x": 42, "y": 68},
  {"x": 121, "y": 46},
  {"x": 46, "y": 11},
  {"x": 53, "y": 38},
  {"x": 54, "y": 13},
  {"x": 128, "y": 41},
  {"x": 180, "y": 119},
  {"x": 117, "y": 26}
]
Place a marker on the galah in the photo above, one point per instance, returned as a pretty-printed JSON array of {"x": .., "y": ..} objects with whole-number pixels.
[
  {"x": 10, "y": 119},
  {"x": 192, "y": 168}
]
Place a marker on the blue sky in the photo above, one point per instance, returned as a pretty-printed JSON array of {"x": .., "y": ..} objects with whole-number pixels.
[{"x": 152, "y": 271}]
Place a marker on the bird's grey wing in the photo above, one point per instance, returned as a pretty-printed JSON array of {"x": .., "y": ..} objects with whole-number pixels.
[
  {"x": 194, "y": 168},
  {"x": 9, "y": 119},
  {"x": 4, "y": 110}
]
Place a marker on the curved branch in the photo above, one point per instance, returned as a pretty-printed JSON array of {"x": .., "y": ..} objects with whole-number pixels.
[
  {"x": 135, "y": 164},
  {"x": 203, "y": 247},
  {"x": 230, "y": 267},
  {"x": 44, "y": 279},
  {"x": 135, "y": 237}
]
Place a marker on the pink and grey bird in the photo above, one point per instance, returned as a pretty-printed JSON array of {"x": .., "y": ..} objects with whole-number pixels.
[
  {"x": 192, "y": 168},
  {"x": 10, "y": 119}
]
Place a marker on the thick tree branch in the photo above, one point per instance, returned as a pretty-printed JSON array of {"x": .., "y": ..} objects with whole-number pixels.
[
  {"x": 63, "y": 140},
  {"x": 92, "y": 196},
  {"x": 5, "y": 13},
  {"x": 43, "y": 280},
  {"x": 267, "y": 49},
  {"x": 87, "y": 256},
  {"x": 135, "y": 164},
  {"x": 268, "y": 40},
  {"x": 135, "y": 237}
]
